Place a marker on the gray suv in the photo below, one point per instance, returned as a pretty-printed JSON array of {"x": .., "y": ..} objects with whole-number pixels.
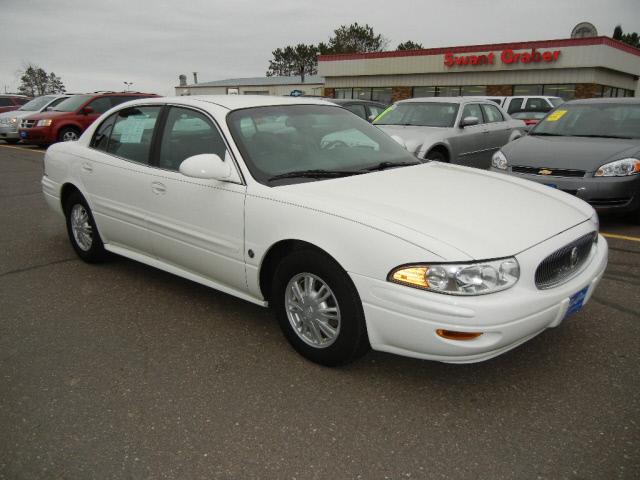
[
  {"x": 10, "y": 121},
  {"x": 460, "y": 130}
]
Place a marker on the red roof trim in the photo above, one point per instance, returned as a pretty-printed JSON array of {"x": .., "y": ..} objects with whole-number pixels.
[{"x": 567, "y": 42}]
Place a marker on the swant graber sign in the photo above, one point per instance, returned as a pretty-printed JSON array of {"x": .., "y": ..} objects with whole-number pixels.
[{"x": 508, "y": 57}]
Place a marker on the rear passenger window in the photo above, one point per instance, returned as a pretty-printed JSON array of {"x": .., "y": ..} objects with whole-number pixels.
[
  {"x": 132, "y": 133},
  {"x": 537, "y": 105},
  {"x": 492, "y": 114},
  {"x": 358, "y": 110},
  {"x": 6, "y": 102},
  {"x": 188, "y": 133},
  {"x": 515, "y": 105}
]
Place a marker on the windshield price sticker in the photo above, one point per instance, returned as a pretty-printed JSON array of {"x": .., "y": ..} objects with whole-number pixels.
[{"x": 555, "y": 116}]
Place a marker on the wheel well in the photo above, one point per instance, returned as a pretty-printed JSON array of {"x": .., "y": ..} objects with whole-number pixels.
[
  {"x": 67, "y": 190},
  {"x": 273, "y": 257},
  {"x": 442, "y": 149}
]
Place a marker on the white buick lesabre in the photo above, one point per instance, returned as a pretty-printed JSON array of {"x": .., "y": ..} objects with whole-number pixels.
[{"x": 301, "y": 205}]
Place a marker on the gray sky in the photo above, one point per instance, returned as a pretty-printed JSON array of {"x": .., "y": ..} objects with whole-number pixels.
[{"x": 98, "y": 45}]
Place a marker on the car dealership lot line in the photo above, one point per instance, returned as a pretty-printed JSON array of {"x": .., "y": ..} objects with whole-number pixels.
[{"x": 26, "y": 149}]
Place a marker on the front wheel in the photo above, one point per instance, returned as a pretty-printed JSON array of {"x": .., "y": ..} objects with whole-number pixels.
[
  {"x": 68, "y": 134},
  {"x": 436, "y": 156},
  {"x": 319, "y": 309},
  {"x": 82, "y": 231}
]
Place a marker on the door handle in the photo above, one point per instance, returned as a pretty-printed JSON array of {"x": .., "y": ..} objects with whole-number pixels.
[
  {"x": 158, "y": 188},
  {"x": 86, "y": 167}
]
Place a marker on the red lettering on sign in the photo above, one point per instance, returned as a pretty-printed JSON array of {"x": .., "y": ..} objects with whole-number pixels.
[{"x": 506, "y": 56}]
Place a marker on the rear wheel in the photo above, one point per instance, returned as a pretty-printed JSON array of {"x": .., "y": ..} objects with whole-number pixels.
[
  {"x": 82, "y": 231},
  {"x": 319, "y": 309},
  {"x": 68, "y": 134}
]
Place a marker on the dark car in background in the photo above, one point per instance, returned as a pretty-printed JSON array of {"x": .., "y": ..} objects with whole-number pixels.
[
  {"x": 67, "y": 120},
  {"x": 12, "y": 102},
  {"x": 529, "y": 118},
  {"x": 367, "y": 109},
  {"x": 587, "y": 148}
]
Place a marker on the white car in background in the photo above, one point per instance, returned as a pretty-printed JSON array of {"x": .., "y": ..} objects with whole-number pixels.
[
  {"x": 298, "y": 204},
  {"x": 10, "y": 121}
]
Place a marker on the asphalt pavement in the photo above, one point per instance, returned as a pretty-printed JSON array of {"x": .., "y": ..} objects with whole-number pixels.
[{"x": 121, "y": 371}]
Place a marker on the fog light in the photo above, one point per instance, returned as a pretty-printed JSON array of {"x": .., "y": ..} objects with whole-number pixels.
[{"x": 453, "y": 335}]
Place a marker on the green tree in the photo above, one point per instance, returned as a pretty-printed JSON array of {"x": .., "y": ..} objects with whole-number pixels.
[
  {"x": 301, "y": 60},
  {"x": 34, "y": 82},
  {"x": 629, "y": 38},
  {"x": 409, "y": 45},
  {"x": 354, "y": 38}
]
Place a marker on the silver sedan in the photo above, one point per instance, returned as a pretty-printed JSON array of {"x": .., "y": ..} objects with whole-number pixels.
[{"x": 462, "y": 130}]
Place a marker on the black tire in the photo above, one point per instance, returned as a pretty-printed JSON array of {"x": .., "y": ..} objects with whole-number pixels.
[
  {"x": 436, "y": 156},
  {"x": 351, "y": 341},
  {"x": 92, "y": 251},
  {"x": 68, "y": 134},
  {"x": 11, "y": 141}
]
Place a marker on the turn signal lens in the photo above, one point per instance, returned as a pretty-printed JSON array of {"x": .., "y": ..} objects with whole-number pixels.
[
  {"x": 413, "y": 276},
  {"x": 453, "y": 335}
]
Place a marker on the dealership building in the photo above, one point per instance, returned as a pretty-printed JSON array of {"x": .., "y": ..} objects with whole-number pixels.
[{"x": 568, "y": 68}]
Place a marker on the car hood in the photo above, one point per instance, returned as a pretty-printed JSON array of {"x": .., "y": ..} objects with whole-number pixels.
[
  {"x": 478, "y": 214},
  {"x": 17, "y": 114},
  {"x": 414, "y": 137},
  {"x": 576, "y": 153}
]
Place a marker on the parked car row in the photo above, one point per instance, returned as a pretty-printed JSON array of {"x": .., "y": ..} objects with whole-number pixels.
[{"x": 12, "y": 102}]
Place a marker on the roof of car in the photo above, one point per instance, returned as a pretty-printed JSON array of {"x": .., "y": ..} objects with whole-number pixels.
[
  {"x": 235, "y": 102},
  {"x": 631, "y": 100},
  {"x": 445, "y": 100},
  {"x": 341, "y": 101}
]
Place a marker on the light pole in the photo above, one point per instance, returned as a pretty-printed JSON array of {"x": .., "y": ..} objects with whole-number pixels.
[{"x": 128, "y": 85}]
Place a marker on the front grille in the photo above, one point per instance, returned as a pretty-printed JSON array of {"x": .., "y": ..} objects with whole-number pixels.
[
  {"x": 27, "y": 123},
  {"x": 556, "y": 172},
  {"x": 565, "y": 262}
]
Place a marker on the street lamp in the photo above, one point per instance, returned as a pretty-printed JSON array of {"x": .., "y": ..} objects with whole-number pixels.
[{"x": 128, "y": 85}]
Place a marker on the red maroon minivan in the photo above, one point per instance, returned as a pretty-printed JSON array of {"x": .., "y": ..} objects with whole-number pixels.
[{"x": 71, "y": 117}]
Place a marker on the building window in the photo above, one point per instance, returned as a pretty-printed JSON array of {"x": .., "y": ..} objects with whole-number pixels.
[
  {"x": 448, "y": 91},
  {"x": 343, "y": 93},
  {"x": 424, "y": 92},
  {"x": 565, "y": 91},
  {"x": 362, "y": 93},
  {"x": 382, "y": 95},
  {"x": 527, "y": 90},
  {"x": 474, "y": 90}
]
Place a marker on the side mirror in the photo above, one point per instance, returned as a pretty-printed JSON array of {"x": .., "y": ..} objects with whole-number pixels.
[
  {"x": 208, "y": 166},
  {"x": 469, "y": 121},
  {"x": 87, "y": 110},
  {"x": 372, "y": 117}
]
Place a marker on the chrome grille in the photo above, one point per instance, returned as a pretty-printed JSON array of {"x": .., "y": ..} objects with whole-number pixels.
[
  {"x": 565, "y": 262},
  {"x": 27, "y": 123},
  {"x": 556, "y": 172}
]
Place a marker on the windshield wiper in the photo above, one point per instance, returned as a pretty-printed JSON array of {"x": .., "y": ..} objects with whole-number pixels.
[
  {"x": 385, "y": 165},
  {"x": 603, "y": 136},
  {"x": 316, "y": 174}
]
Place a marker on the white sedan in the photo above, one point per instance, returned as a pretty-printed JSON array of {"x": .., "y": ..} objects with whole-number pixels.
[{"x": 301, "y": 205}]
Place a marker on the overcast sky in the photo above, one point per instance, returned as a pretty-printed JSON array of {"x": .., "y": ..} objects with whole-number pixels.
[{"x": 98, "y": 45}]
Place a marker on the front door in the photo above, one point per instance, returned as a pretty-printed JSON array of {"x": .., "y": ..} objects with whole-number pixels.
[
  {"x": 470, "y": 143},
  {"x": 196, "y": 225}
]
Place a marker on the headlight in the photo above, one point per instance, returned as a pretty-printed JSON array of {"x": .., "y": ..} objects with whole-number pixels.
[
  {"x": 44, "y": 123},
  {"x": 476, "y": 278},
  {"x": 619, "y": 168},
  {"x": 13, "y": 120},
  {"x": 498, "y": 160}
]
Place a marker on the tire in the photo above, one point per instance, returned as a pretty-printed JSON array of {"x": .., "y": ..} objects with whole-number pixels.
[
  {"x": 11, "y": 141},
  {"x": 82, "y": 231},
  {"x": 68, "y": 134},
  {"x": 324, "y": 321},
  {"x": 436, "y": 156}
]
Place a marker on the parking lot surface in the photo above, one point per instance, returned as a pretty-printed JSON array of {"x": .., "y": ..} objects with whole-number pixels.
[{"x": 121, "y": 371}]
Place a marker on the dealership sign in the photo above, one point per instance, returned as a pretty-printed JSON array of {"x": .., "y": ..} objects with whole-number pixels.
[{"x": 508, "y": 57}]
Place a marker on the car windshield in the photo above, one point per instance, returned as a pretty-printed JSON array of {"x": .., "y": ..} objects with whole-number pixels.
[
  {"x": 528, "y": 115},
  {"x": 556, "y": 101},
  {"x": 608, "y": 120},
  {"x": 71, "y": 104},
  {"x": 299, "y": 142},
  {"x": 423, "y": 114},
  {"x": 37, "y": 103}
]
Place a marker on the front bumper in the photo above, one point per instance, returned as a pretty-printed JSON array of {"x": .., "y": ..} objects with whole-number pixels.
[
  {"x": 404, "y": 320},
  {"x": 9, "y": 132},
  {"x": 40, "y": 135},
  {"x": 605, "y": 194}
]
